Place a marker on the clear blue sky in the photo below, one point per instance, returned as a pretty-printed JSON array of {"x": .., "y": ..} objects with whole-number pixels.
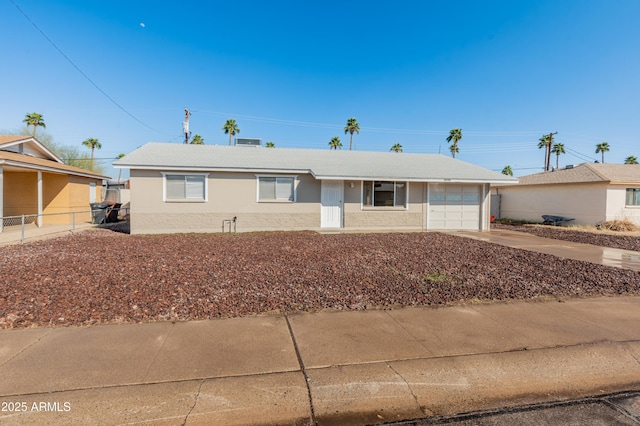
[{"x": 293, "y": 72}]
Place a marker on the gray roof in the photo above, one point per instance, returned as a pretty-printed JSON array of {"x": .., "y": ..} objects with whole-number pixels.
[
  {"x": 322, "y": 164},
  {"x": 586, "y": 173}
]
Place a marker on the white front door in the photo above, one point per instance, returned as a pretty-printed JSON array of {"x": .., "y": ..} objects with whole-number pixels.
[{"x": 331, "y": 204}]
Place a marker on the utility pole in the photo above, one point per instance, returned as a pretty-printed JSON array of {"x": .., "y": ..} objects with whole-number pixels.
[
  {"x": 185, "y": 125},
  {"x": 549, "y": 150}
]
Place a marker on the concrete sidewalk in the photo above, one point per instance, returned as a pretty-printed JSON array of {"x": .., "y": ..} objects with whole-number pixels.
[{"x": 329, "y": 368}]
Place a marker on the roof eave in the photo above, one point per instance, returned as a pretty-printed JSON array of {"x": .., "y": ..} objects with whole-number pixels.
[
  {"x": 46, "y": 150},
  {"x": 211, "y": 169},
  {"x": 51, "y": 169}
]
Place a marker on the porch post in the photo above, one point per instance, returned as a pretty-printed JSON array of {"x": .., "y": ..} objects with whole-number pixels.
[
  {"x": 39, "y": 218},
  {"x": 485, "y": 208},
  {"x": 1, "y": 200}
]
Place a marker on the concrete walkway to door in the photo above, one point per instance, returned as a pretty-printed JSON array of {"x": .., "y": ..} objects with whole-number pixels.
[{"x": 618, "y": 258}]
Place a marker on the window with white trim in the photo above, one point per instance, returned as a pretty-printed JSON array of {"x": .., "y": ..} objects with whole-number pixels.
[
  {"x": 633, "y": 197},
  {"x": 192, "y": 187},
  {"x": 384, "y": 194},
  {"x": 276, "y": 188}
]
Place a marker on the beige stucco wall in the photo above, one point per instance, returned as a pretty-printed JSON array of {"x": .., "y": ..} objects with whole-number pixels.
[
  {"x": 616, "y": 208},
  {"x": 586, "y": 203},
  {"x": 229, "y": 195},
  {"x": 234, "y": 194},
  {"x": 358, "y": 217}
]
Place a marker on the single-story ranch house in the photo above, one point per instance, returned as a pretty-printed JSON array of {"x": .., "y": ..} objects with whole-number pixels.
[
  {"x": 33, "y": 180},
  {"x": 194, "y": 188},
  {"x": 589, "y": 193}
]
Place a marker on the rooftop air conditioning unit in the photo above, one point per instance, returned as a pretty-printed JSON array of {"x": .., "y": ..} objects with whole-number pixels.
[{"x": 254, "y": 142}]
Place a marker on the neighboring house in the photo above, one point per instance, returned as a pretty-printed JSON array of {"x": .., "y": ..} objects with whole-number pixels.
[
  {"x": 193, "y": 188},
  {"x": 33, "y": 180},
  {"x": 589, "y": 193}
]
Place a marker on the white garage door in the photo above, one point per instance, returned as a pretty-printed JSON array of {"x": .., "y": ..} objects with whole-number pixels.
[{"x": 454, "y": 206}]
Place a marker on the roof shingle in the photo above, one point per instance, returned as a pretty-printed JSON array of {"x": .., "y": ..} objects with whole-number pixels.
[
  {"x": 586, "y": 173},
  {"x": 323, "y": 164}
]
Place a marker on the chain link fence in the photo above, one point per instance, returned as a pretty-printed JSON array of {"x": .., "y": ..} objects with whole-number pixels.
[{"x": 32, "y": 226}]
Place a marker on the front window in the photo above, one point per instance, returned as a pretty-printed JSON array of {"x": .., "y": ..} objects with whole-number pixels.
[
  {"x": 633, "y": 197},
  {"x": 384, "y": 194},
  {"x": 276, "y": 188},
  {"x": 185, "y": 187}
]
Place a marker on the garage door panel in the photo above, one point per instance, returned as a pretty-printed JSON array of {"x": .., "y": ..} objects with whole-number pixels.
[
  {"x": 438, "y": 215},
  {"x": 453, "y": 215},
  {"x": 454, "y": 207},
  {"x": 470, "y": 215}
]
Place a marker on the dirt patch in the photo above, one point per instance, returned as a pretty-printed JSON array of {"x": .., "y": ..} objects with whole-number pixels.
[
  {"x": 103, "y": 276},
  {"x": 621, "y": 240}
]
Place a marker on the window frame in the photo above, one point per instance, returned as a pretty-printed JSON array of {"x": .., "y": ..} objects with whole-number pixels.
[
  {"x": 372, "y": 206},
  {"x": 204, "y": 199},
  {"x": 277, "y": 200},
  {"x": 635, "y": 197}
]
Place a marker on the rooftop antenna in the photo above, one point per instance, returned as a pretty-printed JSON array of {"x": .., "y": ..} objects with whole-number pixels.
[{"x": 185, "y": 125}]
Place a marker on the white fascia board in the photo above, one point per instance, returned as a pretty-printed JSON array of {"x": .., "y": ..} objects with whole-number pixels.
[
  {"x": 30, "y": 139},
  {"x": 503, "y": 182},
  {"x": 51, "y": 154},
  {"x": 213, "y": 169},
  {"x": 401, "y": 179},
  {"x": 307, "y": 171}
]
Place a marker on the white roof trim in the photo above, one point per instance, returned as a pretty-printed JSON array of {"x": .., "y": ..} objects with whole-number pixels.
[
  {"x": 215, "y": 169},
  {"x": 36, "y": 142}
]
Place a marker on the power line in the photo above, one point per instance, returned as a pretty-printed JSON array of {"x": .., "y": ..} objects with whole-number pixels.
[
  {"x": 85, "y": 75},
  {"x": 583, "y": 157},
  {"x": 362, "y": 129}
]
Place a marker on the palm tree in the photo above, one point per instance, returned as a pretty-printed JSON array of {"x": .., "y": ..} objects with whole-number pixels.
[
  {"x": 507, "y": 171},
  {"x": 631, "y": 160},
  {"x": 93, "y": 144},
  {"x": 397, "y": 148},
  {"x": 545, "y": 142},
  {"x": 351, "y": 127},
  {"x": 119, "y": 170},
  {"x": 335, "y": 143},
  {"x": 454, "y": 135},
  {"x": 197, "y": 140},
  {"x": 34, "y": 119},
  {"x": 602, "y": 147},
  {"x": 270, "y": 145},
  {"x": 230, "y": 128},
  {"x": 558, "y": 148}
]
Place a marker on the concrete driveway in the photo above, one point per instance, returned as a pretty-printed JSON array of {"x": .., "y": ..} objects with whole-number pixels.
[{"x": 618, "y": 258}]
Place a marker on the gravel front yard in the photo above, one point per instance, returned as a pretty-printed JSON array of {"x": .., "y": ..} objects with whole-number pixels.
[{"x": 103, "y": 276}]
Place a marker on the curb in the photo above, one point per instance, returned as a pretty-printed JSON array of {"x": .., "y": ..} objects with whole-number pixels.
[{"x": 366, "y": 393}]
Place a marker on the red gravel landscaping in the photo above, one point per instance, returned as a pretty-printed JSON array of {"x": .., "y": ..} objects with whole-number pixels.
[{"x": 103, "y": 276}]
